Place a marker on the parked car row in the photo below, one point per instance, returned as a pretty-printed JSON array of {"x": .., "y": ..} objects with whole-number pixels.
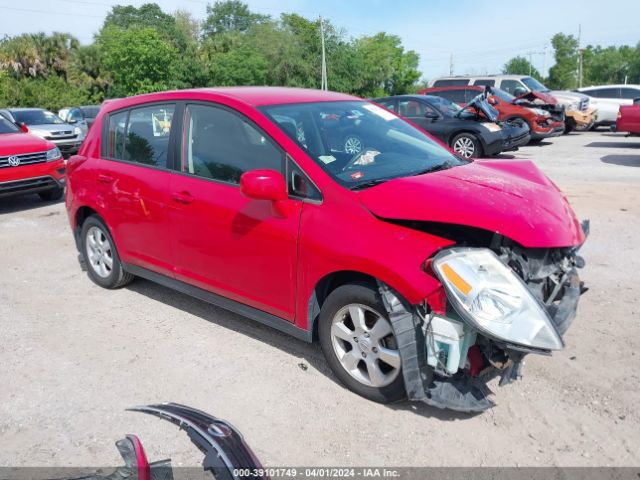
[{"x": 33, "y": 145}]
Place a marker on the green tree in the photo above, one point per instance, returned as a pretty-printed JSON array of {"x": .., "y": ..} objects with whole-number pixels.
[
  {"x": 230, "y": 15},
  {"x": 385, "y": 67},
  {"x": 603, "y": 65},
  {"x": 562, "y": 76},
  {"x": 520, "y": 66},
  {"x": 139, "y": 60}
]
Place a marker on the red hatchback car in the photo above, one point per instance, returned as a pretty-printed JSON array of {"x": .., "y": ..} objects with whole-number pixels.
[
  {"x": 542, "y": 123},
  {"x": 29, "y": 164},
  {"x": 421, "y": 274}
]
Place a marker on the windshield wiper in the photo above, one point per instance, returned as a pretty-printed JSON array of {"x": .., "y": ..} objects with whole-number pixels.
[
  {"x": 370, "y": 183},
  {"x": 435, "y": 168}
]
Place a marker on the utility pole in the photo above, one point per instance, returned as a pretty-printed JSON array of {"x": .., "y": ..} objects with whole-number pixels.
[
  {"x": 580, "y": 50},
  {"x": 451, "y": 65},
  {"x": 530, "y": 63},
  {"x": 323, "y": 80}
]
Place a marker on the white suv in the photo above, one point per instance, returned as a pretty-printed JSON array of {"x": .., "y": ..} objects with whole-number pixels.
[{"x": 609, "y": 99}]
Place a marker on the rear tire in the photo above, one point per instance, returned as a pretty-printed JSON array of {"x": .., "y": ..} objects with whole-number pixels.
[
  {"x": 359, "y": 344},
  {"x": 49, "y": 195},
  {"x": 100, "y": 255},
  {"x": 569, "y": 126},
  {"x": 466, "y": 145}
]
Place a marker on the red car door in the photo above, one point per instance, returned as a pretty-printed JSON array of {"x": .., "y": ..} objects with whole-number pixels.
[
  {"x": 134, "y": 179},
  {"x": 222, "y": 241}
]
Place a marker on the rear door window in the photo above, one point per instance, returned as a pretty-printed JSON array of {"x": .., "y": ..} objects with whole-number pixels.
[
  {"x": 485, "y": 83},
  {"x": 148, "y": 132}
]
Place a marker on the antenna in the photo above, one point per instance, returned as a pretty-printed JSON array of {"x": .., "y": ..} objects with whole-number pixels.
[{"x": 323, "y": 80}]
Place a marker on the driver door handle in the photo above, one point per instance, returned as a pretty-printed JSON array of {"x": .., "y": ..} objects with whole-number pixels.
[{"x": 184, "y": 198}]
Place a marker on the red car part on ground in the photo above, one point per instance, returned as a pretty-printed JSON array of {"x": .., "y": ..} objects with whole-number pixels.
[
  {"x": 29, "y": 164},
  {"x": 629, "y": 119},
  {"x": 541, "y": 123},
  {"x": 294, "y": 240}
]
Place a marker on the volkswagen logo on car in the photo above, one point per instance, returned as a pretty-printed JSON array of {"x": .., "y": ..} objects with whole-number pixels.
[{"x": 14, "y": 161}]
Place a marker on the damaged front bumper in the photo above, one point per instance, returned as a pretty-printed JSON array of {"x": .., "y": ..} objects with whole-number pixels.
[{"x": 466, "y": 389}]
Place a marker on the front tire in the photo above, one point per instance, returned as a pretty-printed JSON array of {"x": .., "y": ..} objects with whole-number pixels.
[
  {"x": 100, "y": 255},
  {"x": 50, "y": 195},
  {"x": 359, "y": 344},
  {"x": 466, "y": 145}
]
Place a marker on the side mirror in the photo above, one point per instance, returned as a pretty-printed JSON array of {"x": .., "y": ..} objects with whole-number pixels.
[
  {"x": 23, "y": 127},
  {"x": 519, "y": 91},
  {"x": 266, "y": 185},
  {"x": 431, "y": 116},
  {"x": 72, "y": 121}
]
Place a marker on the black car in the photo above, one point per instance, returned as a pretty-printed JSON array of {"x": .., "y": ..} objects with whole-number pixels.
[{"x": 464, "y": 129}]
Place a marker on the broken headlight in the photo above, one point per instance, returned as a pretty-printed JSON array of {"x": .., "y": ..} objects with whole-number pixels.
[{"x": 493, "y": 299}]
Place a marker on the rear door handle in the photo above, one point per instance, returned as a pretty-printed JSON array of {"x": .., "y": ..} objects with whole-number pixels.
[
  {"x": 105, "y": 178},
  {"x": 183, "y": 197}
]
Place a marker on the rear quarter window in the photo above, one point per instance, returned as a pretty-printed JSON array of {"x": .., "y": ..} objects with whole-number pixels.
[{"x": 113, "y": 136}]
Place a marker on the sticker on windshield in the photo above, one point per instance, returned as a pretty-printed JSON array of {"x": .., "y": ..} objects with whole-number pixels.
[
  {"x": 381, "y": 112},
  {"x": 327, "y": 159},
  {"x": 357, "y": 175}
]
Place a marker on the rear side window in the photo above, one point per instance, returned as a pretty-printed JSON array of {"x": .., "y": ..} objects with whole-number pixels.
[
  {"x": 485, "y": 83},
  {"x": 448, "y": 94},
  {"x": 607, "y": 92},
  {"x": 222, "y": 145},
  {"x": 114, "y": 146},
  {"x": 629, "y": 93},
  {"x": 457, "y": 82},
  {"x": 148, "y": 131}
]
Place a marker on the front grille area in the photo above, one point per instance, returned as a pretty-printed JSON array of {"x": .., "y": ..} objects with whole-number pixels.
[
  {"x": 30, "y": 184},
  {"x": 584, "y": 104},
  {"x": 24, "y": 159}
]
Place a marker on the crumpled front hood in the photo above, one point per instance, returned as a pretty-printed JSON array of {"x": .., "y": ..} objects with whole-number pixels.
[
  {"x": 510, "y": 197},
  {"x": 544, "y": 97}
]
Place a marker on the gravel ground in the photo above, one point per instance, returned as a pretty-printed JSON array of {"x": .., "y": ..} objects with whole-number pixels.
[{"x": 74, "y": 356}]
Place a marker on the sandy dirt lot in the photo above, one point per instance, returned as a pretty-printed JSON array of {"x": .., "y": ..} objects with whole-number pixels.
[{"x": 74, "y": 356}]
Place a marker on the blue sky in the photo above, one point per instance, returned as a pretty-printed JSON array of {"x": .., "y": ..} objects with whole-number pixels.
[{"x": 480, "y": 35}]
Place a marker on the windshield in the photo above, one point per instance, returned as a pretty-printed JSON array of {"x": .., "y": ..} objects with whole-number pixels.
[
  {"x": 358, "y": 143},
  {"x": 534, "y": 85},
  {"x": 36, "y": 117},
  {"x": 90, "y": 112},
  {"x": 502, "y": 95},
  {"x": 7, "y": 127}
]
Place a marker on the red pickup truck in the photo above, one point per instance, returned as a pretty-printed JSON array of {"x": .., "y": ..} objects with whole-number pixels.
[{"x": 629, "y": 119}]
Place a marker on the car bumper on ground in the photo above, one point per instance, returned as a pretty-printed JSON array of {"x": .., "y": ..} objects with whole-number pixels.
[{"x": 34, "y": 178}]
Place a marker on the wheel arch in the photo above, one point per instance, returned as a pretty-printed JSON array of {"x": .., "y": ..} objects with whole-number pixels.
[{"x": 328, "y": 284}]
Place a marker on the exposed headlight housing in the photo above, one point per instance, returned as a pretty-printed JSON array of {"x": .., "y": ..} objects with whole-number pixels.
[
  {"x": 493, "y": 299},
  {"x": 573, "y": 106},
  {"x": 540, "y": 112},
  {"x": 53, "y": 154},
  {"x": 492, "y": 127}
]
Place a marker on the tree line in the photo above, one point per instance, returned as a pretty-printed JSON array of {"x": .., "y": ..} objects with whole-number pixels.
[{"x": 139, "y": 50}]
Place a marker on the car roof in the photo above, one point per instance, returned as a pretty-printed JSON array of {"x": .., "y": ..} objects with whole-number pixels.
[
  {"x": 254, "y": 96},
  {"x": 456, "y": 87},
  {"x": 619, "y": 85},
  {"x": 32, "y": 109}
]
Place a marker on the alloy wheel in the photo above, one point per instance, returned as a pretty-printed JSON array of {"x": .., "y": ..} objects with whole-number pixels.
[
  {"x": 365, "y": 345},
  {"x": 465, "y": 147},
  {"x": 352, "y": 145},
  {"x": 99, "y": 252}
]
